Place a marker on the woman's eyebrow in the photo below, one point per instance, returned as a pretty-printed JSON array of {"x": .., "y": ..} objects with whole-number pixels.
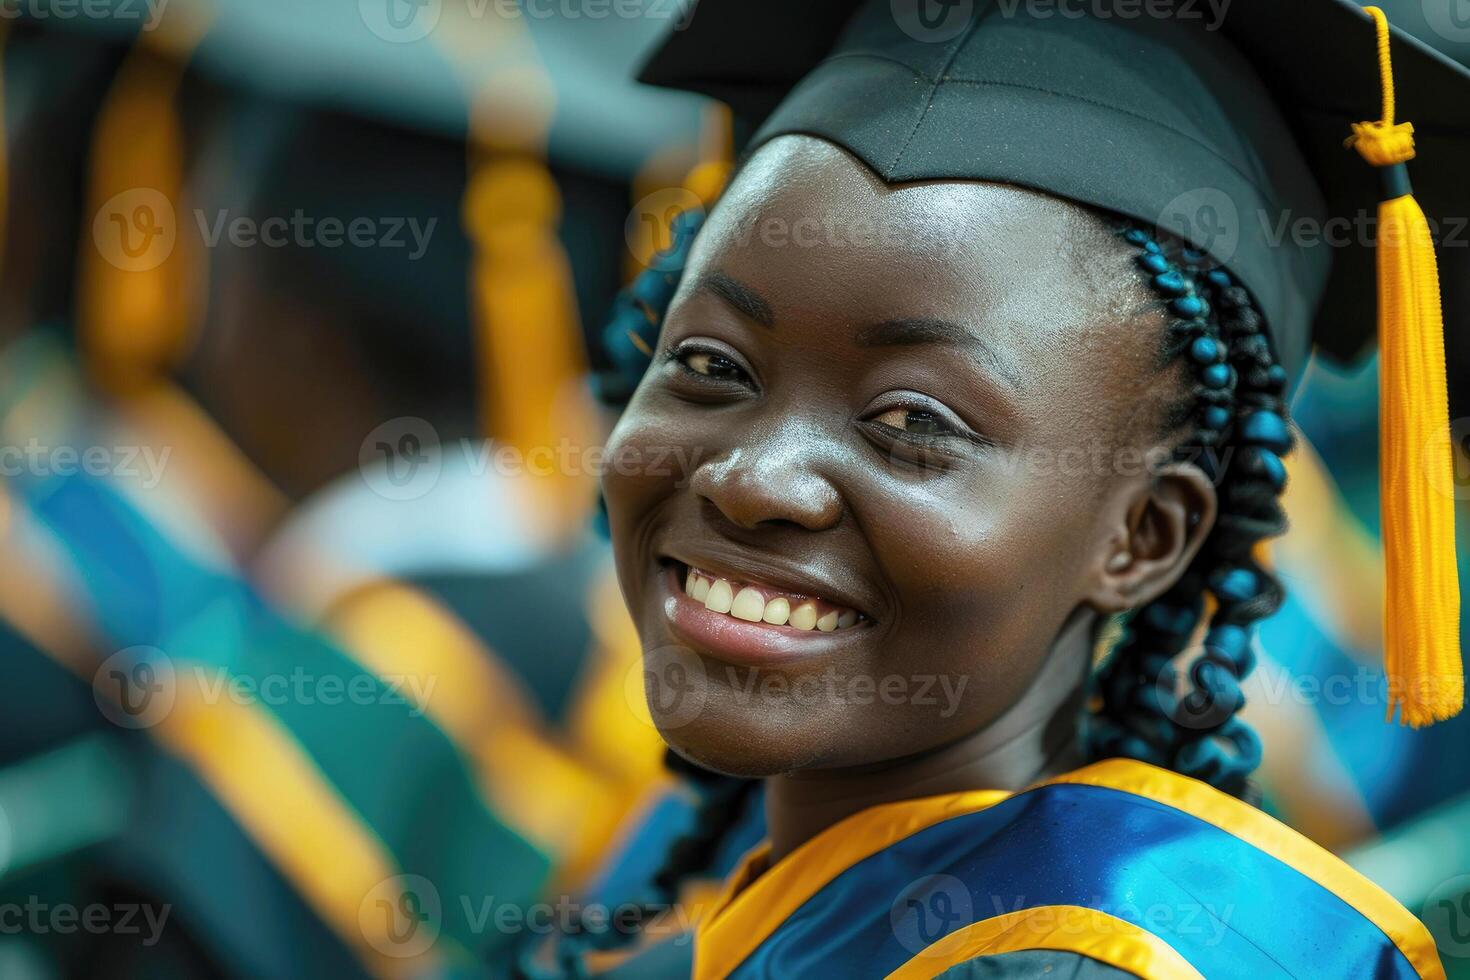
[
  {"x": 745, "y": 300},
  {"x": 933, "y": 330}
]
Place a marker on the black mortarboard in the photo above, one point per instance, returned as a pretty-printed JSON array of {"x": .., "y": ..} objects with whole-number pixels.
[
  {"x": 1223, "y": 124},
  {"x": 1169, "y": 120}
]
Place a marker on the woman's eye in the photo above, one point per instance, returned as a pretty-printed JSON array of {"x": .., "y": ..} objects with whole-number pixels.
[
  {"x": 915, "y": 421},
  {"x": 712, "y": 365}
]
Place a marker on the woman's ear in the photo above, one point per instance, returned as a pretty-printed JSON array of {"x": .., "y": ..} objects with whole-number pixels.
[{"x": 1159, "y": 529}]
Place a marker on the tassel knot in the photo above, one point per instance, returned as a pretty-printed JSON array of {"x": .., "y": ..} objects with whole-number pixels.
[{"x": 1383, "y": 144}]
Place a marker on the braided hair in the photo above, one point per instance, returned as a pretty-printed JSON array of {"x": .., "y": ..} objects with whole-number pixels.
[
  {"x": 1235, "y": 420},
  {"x": 1232, "y": 422}
]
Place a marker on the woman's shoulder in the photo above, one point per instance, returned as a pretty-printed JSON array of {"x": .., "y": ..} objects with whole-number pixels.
[{"x": 1121, "y": 863}]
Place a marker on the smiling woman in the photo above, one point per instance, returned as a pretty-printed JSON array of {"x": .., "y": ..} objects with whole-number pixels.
[
  {"x": 860, "y": 447},
  {"x": 952, "y": 455}
]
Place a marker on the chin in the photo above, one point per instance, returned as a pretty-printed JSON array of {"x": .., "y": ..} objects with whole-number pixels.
[
  {"x": 718, "y": 758},
  {"x": 735, "y": 738}
]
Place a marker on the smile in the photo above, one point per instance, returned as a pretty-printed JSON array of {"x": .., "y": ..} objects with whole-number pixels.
[
  {"x": 756, "y": 602},
  {"x": 742, "y": 620}
]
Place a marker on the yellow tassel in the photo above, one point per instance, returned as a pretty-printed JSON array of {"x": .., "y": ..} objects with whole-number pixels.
[
  {"x": 139, "y": 280},
  {"x": 531, "y": 360},
  {"x": 1422, "y": 595}
]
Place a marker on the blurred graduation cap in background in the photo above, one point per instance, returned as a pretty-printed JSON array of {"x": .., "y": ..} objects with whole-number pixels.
[{"x": 509, "y": 140}]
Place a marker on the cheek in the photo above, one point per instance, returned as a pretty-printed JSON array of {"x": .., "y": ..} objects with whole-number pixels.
[
  {"x": 987, "y": 573},
  {"x": 649, "y": 455}
]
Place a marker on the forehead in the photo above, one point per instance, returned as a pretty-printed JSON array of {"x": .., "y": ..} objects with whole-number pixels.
[{"x": 821, "y": 238}]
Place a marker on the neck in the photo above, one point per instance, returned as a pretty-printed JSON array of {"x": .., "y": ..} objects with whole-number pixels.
[{"x": 1034, "y": 739}]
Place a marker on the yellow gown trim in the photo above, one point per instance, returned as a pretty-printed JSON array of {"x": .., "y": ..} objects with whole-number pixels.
[
  {"x": 1069, "y": 928},
  {"x": 748, "y": 911},
  {"x": 757, "y": 900},
  {"x": 1267, "y": 834}
]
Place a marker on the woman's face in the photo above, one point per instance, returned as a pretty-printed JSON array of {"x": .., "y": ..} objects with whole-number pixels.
[{"x": 892, "y": 439}]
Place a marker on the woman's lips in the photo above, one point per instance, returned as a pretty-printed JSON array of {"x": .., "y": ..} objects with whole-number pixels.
[
  {"x": 757, "y": 602},
  {"x": 719, "y": 617}
]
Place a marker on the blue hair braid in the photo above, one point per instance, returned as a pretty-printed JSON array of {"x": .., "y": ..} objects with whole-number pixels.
[
  {"x": 1235, "y": 414},
  {"x": 631, "y": 333}
]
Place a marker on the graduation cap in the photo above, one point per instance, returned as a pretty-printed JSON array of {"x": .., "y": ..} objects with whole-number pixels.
[
  {"x": 1223, "y": 125},
  {"x": 337, "y": 110}
]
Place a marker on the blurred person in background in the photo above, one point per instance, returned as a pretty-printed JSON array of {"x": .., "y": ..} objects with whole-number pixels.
[{"x": 259, "y": 372}]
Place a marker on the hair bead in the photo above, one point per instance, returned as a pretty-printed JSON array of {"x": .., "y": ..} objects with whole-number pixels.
[
  {"x": 1216, "y": 417},
  {"x": 1205, "y": 350},
  {"x": 1267, "y": 464},
  {"x": 1171, "y": 282},
  {"x": 1153, "y": 262},
  {"x": 1216, "y": 375},
  {"x": 1170, "y": 619},
  {"x": 1189, "y": 306},
  {"x": 1229, "y": 639},
  {"x": 654, "y": 288},
  {"x": 1236, "y": 585},
  {"x": 1266, "y": 429},
  {"x": 1231, "y": 645}
]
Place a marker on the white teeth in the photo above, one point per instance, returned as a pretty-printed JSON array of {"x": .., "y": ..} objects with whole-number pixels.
[
  {"x": 803, "y": 617},
  {"x": 749, "y": 605},
  {"x": 720, "y": 596},
  {"x": 777, "y": 612}
]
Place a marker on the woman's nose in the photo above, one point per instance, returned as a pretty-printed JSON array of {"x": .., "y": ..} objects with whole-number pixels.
[{"x": 775, "y": 478}]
